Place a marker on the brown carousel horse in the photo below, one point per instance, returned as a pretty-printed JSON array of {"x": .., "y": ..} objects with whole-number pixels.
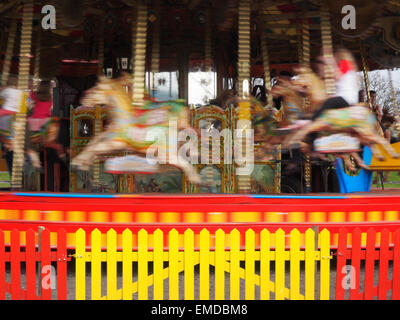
[
  {"x": 130, "y": 125},
  {"x": 357, "y": 121},
  {"x": 339, "y": 120}
]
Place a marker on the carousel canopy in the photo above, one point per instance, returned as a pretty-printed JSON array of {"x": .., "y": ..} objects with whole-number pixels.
[{"x": 73, "y": 45}]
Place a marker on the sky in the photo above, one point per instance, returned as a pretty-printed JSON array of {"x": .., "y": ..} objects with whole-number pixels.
[{"x": 395, "y": 75}]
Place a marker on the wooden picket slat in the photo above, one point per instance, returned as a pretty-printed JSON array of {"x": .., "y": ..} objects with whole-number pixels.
[
  {"x": 310, "y": 265},
  {"x": 143, "y": 291},
  {"x": 383, "y": 265},
  {"x": 204, "y": 264},
  {"x": 30, "y": 265},
  {"x": 295, "y": 264},
  {"x": 62, "y": 264},
  {"x": 341, "y": 263},
  {"x": 396, "y": 266},
  {"x": 219, "y": 264},
  {"x": 46, "y": 262},
  {"x": 280, "y": 265},
  {"x": 15, "y": 265},
  {"x": 325, "y": 264},
  {"x": 189, "y": 264},
  {"x": 265, "y": 268},
  {"x": 96, "y": 264},
  {"x": 355, "y": 263},
  {"x": 111, "y": 264},
  {"x": 235, "y": 265},
  {"x": 369, "y": 291},
  {"x": 250, "y": 265},
  {"x": 80, "y": 273},
  {"x": 158, "y": 262},
  {"x": 127, "y": 264},
  {"x": 2, "y": 267},
  {"x": 173, "y": 241}
]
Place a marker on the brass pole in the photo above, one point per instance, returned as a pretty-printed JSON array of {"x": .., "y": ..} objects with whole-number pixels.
[
  {"x": 305, "y": 59},
  {"x": 394, "y": 100},
  {"x": 268, "y": 88},
  {"x": 326, "y": 34},
  {"x": 366, "y": 83},
  {"x": 23, "y": 83},
  {"x": 208, "y": 41},
  {"x": 139, "y": 54},
  {"x": 244, "y": 181},
  {"x": 155, "y": 55},
  {"x": 101, "y": 50},
  {"x": 267, "y": 75},
  {"x": 9, "y": 52}
]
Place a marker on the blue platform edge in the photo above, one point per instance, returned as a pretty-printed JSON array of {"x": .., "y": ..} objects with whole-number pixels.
[{"x": 359, "y": 183}]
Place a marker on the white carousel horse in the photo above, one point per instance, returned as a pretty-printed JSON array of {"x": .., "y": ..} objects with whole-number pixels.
[{"x": 130, "y": 125}]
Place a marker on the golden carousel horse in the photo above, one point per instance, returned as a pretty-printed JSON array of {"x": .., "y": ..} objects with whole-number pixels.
[
  {"x": 358, "y": 121},
  {"x": 7, "y": 135},
  {"x": 130, "y": 125}
]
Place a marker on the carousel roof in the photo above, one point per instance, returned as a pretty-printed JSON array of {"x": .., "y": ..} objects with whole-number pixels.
[{"x": 183, "y": 25}]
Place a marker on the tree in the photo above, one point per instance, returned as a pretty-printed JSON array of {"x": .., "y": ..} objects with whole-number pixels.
[{"x": 379, "y": 82}]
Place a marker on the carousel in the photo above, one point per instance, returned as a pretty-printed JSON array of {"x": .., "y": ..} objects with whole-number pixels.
[{"x": 124, "y": 69}]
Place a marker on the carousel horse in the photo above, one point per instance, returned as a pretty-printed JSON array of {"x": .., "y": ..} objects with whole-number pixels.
[
  {"x": 46, "y": 133},
  {"x": 130, "y": 125},
  {"x": 46, "y": 136},
  {"x": 270, "y": 128},
  {"x": 270, "y": 125},
  {"x": 7, "y": 137},
  {"x": 357, "y": 121}
]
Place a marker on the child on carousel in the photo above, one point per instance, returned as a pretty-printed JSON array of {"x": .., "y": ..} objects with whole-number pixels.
[
  {"x": 42, "y": 105},
  {"x": 11, "y": 96},
  {"x": 346, "y": 78}
]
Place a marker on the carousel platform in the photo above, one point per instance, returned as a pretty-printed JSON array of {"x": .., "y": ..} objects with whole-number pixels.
[{"x": 203, "y": 209}]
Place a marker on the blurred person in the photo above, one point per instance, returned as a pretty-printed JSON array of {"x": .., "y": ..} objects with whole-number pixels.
[
  {"x": 11, "y": 97},
  {"x": 278, "y": 101},
  {"x": 42, "y": 105},
  {"x": 378, "y": 110},
  {"x": 42, "y": 101},
  {"x": 346, "y": 81},
  {"x": 386, "y": 124},
  {"x": 361, "y": 96}
]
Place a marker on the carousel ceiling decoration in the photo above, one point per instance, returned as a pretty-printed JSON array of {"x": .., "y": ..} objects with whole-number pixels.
[
  {"x": 390, "y": 27},
  {"x": 382, "y": 55}
]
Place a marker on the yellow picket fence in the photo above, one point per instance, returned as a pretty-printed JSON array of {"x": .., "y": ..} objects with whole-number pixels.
[{"x": 262, "y": 267}]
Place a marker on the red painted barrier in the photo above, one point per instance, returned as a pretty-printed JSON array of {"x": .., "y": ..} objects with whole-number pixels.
[
  {"x": 30, "y": 256},
  {"x": 2, "y": 267},
  {"x": 367, "y": 290},
  {"x": 362, "y": 259}
]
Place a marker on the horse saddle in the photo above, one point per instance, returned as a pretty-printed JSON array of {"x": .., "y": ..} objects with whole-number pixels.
[
  {"x": 337, "y": 143},
  {"x": 6, "y": 125},
  {"x": 130, "y": 164},
  {"x": 156, "y": 113}
]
